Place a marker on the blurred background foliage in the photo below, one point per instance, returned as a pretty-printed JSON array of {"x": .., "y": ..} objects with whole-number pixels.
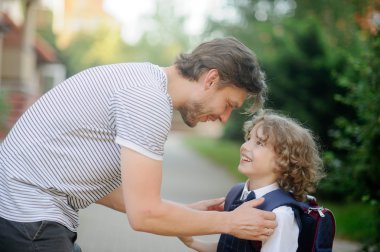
[
  {"x": 4, "y": 109},
  {"x": 322, "y": 64}
]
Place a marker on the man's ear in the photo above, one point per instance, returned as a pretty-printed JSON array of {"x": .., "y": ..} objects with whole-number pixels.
[{"x": 212, "y": 78}]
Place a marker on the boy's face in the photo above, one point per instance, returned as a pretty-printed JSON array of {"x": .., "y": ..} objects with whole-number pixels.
[
  {"x": 213, "y": 104},
  {"x": 257, "y": 159}
]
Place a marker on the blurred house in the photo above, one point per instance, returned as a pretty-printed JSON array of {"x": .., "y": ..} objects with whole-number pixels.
[
  {"x": 29, "y": 66},
  {"x": 83, "y": 15}
]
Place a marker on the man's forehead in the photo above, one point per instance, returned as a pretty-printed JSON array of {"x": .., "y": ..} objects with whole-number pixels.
[{"x": 237, "y": 96}]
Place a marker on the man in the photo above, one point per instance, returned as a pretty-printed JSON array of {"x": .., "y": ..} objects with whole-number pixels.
[{"x": 99, "y": 137}]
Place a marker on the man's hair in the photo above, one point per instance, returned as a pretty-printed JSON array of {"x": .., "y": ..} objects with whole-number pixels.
[
  {"x": 236, "y": 64},
  {"x": 299, "y": 166}
]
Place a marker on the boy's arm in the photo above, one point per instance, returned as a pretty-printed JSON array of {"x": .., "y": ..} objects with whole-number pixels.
[
  {"x": 148, "y": 212},
  {"x": 200, "y": 246},
  {"x": 285, "y": 237}
]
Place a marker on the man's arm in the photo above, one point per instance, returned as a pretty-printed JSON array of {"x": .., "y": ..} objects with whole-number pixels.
[
  {"x": 114, "y": 200},
  {"x": 148, "y": 212}
]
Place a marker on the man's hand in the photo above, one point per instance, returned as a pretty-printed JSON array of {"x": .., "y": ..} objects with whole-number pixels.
[
  {"x": 208, "y": 205},
  {"x": 250, "y": 223}
]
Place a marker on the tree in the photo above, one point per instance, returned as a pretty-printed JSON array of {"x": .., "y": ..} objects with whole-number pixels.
[
  {"x": 159, "y": 44},
  {"x": 359, "y": 135},
  {"x": 165, "y": 38},
  {"x": 89, "y": 49},
  {"x": 299, "y": 60},
  {"x": 4, "y": 110},
  {"x": 338, "y": 66}
]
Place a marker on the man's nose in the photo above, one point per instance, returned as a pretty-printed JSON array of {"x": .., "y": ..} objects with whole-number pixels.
[{"x": 223, "y": 118}]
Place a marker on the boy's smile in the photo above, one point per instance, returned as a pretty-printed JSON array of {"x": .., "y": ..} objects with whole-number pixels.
[{"x": 244, "y": 158}]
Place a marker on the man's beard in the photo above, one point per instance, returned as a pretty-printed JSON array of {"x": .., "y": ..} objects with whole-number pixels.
[{"x": 190, "y": 113}]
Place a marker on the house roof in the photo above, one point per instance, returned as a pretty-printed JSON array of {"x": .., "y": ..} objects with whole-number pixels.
[
  {"x": 13, "y": 37},
  {"x": 45, "y": 52}
]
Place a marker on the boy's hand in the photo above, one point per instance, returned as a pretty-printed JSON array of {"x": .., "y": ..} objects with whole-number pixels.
[
  {"x": 250, "y": 223},
  {"x": 198, "y": 245},
  {"x": 187, "y": 240},
  {"x": 208, "y": 205}
]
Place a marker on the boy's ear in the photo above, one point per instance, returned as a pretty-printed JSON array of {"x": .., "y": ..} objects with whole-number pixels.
[{"x": 212, "y": 78}]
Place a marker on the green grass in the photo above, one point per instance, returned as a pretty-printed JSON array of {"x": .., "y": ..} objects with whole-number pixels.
[{"x": 354, "y": 221}]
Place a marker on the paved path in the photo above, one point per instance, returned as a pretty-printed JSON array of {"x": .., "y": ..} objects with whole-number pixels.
[{"x": 187, "y": 178}]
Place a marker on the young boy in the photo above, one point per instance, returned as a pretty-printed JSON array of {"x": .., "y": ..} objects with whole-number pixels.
[{"x": 278, "y": 153}]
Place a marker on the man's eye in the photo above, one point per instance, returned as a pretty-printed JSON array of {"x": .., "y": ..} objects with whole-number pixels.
[{"x": 230, "y": 105}]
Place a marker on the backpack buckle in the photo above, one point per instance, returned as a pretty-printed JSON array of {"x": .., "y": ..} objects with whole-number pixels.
[{"x": 317, "y": 209}]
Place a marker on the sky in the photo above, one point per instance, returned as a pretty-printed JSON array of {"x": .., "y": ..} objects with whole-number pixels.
[{"x": 131, "y": 14}]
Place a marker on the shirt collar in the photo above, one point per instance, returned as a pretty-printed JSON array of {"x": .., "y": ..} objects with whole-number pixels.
[{"x": 260, "y": 191}]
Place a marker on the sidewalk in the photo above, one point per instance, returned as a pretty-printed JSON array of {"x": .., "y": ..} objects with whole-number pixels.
[{"x": 187, "y": 178}]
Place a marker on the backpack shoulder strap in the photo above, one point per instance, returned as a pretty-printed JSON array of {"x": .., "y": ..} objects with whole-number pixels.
[
  {"x": 276, "y": 199},
  {"x": 232, "y": 195},
  {"x": 279, "y": 198}
]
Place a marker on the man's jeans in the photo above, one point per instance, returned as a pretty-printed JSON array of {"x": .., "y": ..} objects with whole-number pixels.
[{"x": 41, "y": 236}]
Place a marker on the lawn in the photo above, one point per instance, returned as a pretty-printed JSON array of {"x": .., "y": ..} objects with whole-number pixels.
[{"x": 353, "y": 220}]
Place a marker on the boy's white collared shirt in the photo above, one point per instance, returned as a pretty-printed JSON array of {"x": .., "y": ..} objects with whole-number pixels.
[
  {"x": 285, "y": 235},
  {"x": 258, "y": 192}
]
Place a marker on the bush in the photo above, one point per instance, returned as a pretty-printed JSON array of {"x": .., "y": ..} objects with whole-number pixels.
[
  {"x": 358, "y": 137},
  {"x": 4, "y": 111}
]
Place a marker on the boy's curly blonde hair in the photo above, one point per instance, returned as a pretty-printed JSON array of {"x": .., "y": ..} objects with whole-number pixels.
[{"x": 299, "y": 166}]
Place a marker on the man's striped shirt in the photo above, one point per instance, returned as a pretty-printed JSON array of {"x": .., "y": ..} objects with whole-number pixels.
[{"x": 64, "y": 152}]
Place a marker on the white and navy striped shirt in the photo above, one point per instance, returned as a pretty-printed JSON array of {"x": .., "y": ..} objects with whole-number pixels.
[{"x": 64, "y": 153}]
